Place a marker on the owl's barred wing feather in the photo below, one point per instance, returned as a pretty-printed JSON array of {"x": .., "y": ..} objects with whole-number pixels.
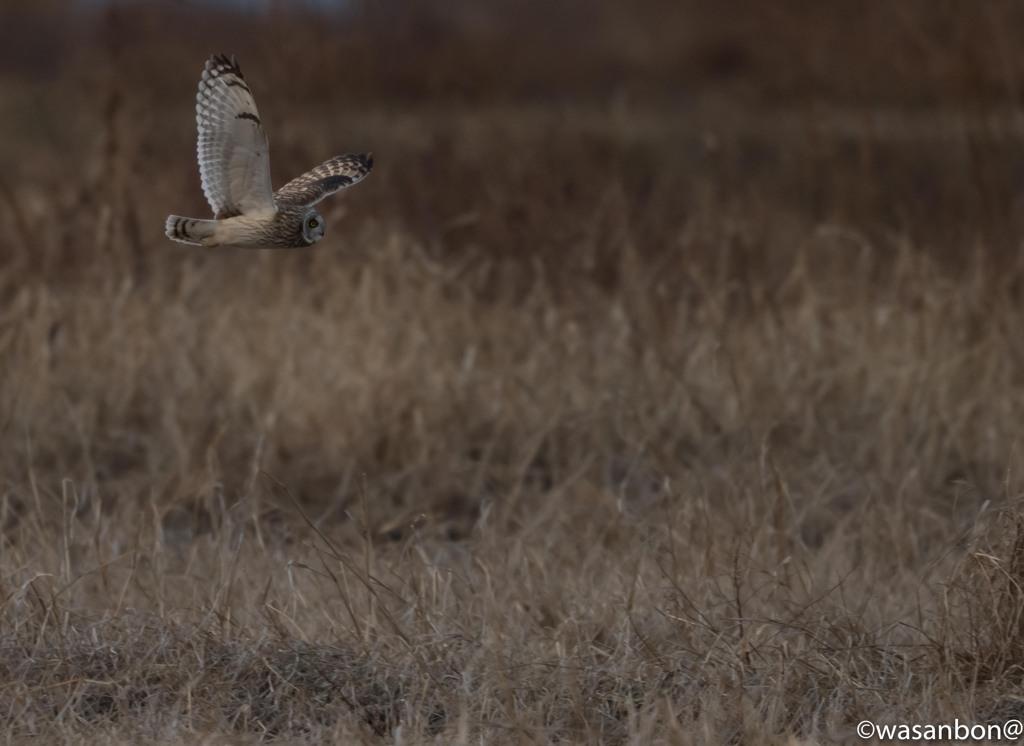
[
  {"x": 234, "y": 157},
  {"x": 326, "y": 179}
]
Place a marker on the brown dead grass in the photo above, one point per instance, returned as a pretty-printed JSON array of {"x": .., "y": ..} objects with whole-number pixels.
[{"x": 626, "y": 420}]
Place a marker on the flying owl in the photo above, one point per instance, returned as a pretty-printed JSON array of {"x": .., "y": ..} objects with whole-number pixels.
[{"x": 234, "y": 167}]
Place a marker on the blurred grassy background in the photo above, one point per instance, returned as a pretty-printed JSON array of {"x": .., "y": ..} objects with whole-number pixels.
[
  {"x": 872, "y": 113},
  {"x": 662, "y": 384}
]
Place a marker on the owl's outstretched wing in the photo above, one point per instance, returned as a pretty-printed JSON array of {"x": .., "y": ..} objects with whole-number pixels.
[
  {"x": 234, "y": 158},
  {"x": 327, "y": 178}
]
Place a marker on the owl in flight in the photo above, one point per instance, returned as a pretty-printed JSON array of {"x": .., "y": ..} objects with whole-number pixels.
[{"x": 234, "y": 167}]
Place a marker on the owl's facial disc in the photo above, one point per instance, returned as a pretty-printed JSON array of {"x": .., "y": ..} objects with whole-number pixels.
[{"x": 313, "y": 228}]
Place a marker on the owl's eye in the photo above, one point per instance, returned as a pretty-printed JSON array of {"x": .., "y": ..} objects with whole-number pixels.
[{"x": 313, "y": 223}]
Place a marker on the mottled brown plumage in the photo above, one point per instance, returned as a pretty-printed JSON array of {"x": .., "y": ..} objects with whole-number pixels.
[{"x": 234, "y": 168}]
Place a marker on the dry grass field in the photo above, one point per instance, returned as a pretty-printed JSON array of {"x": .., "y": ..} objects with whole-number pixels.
[{"x": 664, "y": 384}]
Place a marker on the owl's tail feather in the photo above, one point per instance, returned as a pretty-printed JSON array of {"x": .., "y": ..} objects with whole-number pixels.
[{"x": 189, "y": 230}]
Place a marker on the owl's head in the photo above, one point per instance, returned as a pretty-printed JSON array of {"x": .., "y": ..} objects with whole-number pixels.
[{"x": 312, "y": 227}]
